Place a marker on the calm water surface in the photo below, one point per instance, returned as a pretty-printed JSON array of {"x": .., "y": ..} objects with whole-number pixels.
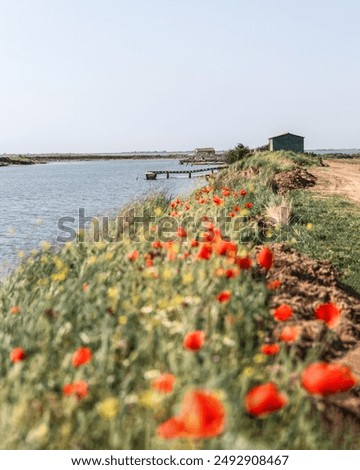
[{"x": 33, "y": 198}]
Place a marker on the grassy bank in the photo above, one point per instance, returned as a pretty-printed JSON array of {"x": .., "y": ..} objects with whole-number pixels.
[
  {"x": 327, "y": 228},
  {"x": 87, "y": 332}
]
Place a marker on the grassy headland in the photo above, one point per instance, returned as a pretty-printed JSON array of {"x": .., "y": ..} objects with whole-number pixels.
[
  {"x": 88, "y": 331},
  {"x": 15, "y": 160}
]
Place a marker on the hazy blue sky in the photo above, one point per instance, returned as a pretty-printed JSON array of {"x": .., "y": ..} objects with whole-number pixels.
[{"x": 121, "y": 75}]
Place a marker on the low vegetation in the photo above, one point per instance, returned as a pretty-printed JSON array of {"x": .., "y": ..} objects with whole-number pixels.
[{"x": 15, "y": 160}]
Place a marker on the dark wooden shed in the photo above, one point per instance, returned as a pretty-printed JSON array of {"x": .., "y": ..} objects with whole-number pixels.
[{"x": 287, "y": 141}]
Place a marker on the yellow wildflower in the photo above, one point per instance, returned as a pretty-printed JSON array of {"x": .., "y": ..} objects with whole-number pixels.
[
  {"x": 150, "y": 399},
  {"x": 45, "y": 245},
  {"x": 187, "y": 278},
  {"x": 91, "y": 260},
  {"x": 248, "y": 371},
  {"x": 58, "y": 262},
  {"x": 167, "y": 274},
  {"x": 122, "y": 320},
  {"x": 61, "y": 275},
  {"x": 113, "y": 293},
  {"x": 108, "y": 408},
  {"x": 158, "y": 211},
  {"x": 38, "y": 434},
  {"x": 259, "y": 358}
]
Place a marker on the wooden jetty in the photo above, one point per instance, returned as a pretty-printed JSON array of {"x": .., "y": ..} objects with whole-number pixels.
[
  {"x": 191, "y": 161},
  {"x": 152, "y": 175}
]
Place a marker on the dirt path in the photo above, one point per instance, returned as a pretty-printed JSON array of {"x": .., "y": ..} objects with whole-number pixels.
[{"x": 340, "y": 178}]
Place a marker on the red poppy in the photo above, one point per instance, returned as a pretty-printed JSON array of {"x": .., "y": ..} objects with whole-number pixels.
[
  {"x": 243, "y": 192},
  {"x": 81, "y": 356},
  {"x": 157, "y": 244},
  {"x": 168, "y": 245},
  {"x": 232, "y": 214},
  {"x": 149, "y": 263},
  {"x": 17, "y": 355},
  {"x": 194, "y": 243},
  {"x": 16, "y": 309},
  {"x": 329, "y": 313},
  {"x": 273, "y": 285},
  {"x": 224, "y": 296},
  {"x": 249, "y": 205},
  {"x": 283, "y": 312},
  {"x": 220, "y": 272},
  {"x": 133, "y": 255},
  {"x": 164, "y": 383},
  {"x": 181, "y": 232},
  {"x": 270, "y": 349},
  {"x": 243, "y": 263},
  {"x": 237, "y": 208},
  {"x": 225, "y": 248},
  {"x": 204, "y": 252},
  {"x": 265, "y": 258},
  {"x": 264, "y": 399},
  {"x": 202, "y": 416},
  {"x": 194, "y": 340},
  {"x": 79, "y": 389},
  {"x": 217, "y": 200},
  {"x": 322, "y": 378},
  {"x": 229, "y": 273},
  {"x": 226, "y": 192},
  {"x": 289, "y": 334}
]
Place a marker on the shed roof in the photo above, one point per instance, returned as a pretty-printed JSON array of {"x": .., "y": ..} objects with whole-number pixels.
[
  {"x": 286, "y": 133},
  {"x": 205, "y": 149}
]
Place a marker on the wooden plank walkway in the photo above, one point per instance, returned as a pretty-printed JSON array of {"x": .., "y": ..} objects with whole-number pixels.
[{"x": 151, "y": 175}]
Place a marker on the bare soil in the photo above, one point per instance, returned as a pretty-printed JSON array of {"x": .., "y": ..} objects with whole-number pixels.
[
  {"x": 340, "y": 178},
  {"x": 293, "y": 179},
  {"x": 305, "y": 284}
]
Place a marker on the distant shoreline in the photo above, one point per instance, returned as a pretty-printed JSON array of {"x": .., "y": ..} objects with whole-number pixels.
[
  {"x": 32, "y": 159},
  {"x": 29, "y": 159}
]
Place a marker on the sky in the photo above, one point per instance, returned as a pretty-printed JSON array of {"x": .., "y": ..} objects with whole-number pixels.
[{"x": 146, "y": 75}]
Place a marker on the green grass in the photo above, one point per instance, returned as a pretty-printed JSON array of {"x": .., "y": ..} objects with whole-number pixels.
[{"x": 334, "y": 235}]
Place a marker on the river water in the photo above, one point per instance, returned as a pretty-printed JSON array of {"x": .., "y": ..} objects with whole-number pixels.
[{"x": 33, "y": 198}]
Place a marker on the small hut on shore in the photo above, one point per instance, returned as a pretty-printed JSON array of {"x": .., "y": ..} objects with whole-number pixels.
[
  {"x": 287, "y": 141},
  {"x": 204, "y": 153}
]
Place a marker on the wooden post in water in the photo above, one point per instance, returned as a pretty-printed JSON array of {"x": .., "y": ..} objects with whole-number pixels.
[
  {"x": 167, "y": 175},
  {"x": 189, "y": 174}
]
